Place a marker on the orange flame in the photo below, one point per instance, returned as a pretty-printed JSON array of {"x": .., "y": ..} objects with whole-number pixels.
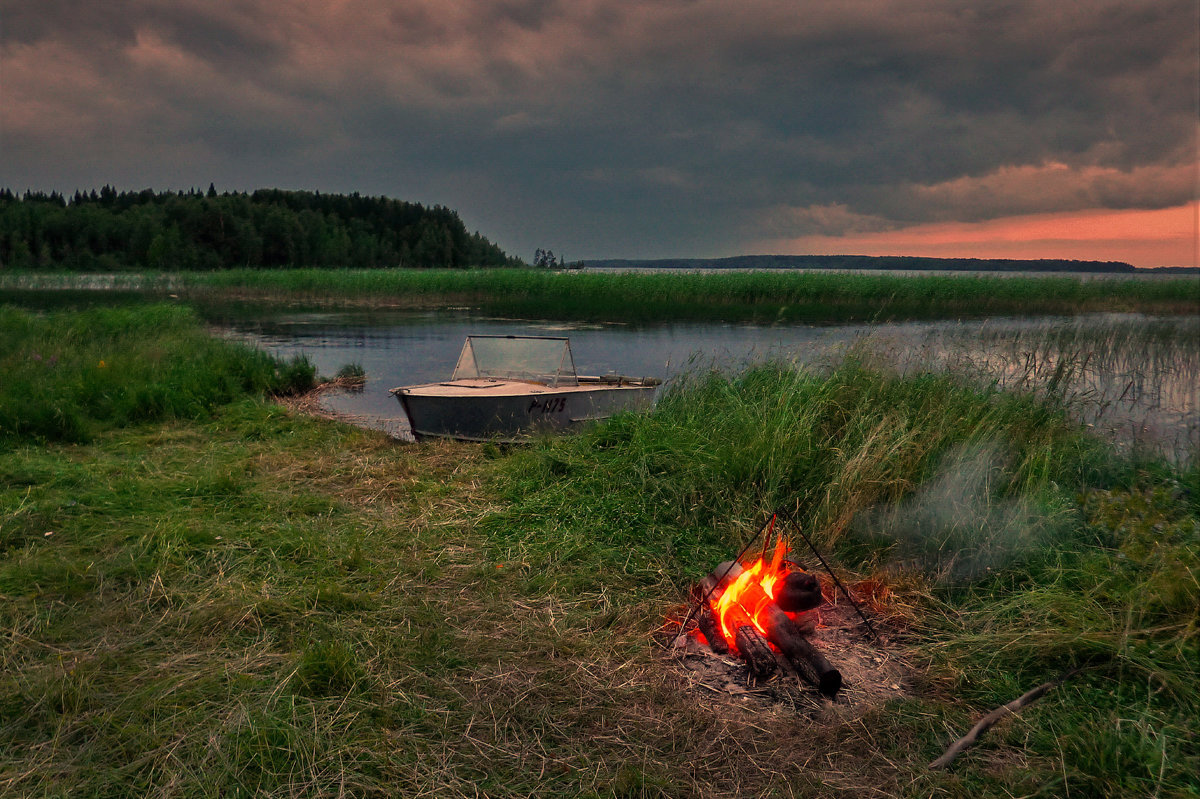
[{"x": 752, "y": 590}]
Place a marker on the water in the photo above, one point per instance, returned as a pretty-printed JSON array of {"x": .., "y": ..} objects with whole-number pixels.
[
  {"x": 1133, "y": 377},
  {"x": 398, "y": 348}
]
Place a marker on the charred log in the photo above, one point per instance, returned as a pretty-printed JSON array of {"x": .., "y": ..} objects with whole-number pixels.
[
  {"x": 712, "y": 632},
  {"x": 805, "y": 658},
  {"x": 755, "y": 650}
]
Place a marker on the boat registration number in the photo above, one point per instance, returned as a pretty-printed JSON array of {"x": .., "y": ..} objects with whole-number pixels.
[{"x": 551, "y": 405}]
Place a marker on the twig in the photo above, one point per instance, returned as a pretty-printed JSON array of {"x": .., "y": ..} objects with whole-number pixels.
[{"x": 955, "y": 749}]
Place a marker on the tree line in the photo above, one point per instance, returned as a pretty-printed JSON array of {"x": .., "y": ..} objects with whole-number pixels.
[
  {"x": 196, "y": 230},
  {"x": 875, "y": 262}
]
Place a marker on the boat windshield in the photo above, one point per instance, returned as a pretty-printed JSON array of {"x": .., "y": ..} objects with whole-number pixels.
[{"x": 537, "y": 359}]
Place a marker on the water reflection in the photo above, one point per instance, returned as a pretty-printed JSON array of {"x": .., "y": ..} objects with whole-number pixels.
[{"x": 1133, "y": 376}]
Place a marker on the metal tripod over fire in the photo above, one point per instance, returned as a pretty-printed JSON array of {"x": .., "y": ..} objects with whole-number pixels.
[{"x": 769, "y": 606}]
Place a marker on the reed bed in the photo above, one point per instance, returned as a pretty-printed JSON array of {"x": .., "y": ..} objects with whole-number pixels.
[
  {"x": 631, "y": 297},
  {"x": 753, "y": 296},
  {"x": 1132, "y": 379}
]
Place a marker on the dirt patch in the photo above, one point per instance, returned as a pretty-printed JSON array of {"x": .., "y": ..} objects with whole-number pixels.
[
  {"x": 873, "y": 671},
  {"x": 311, "y": 403}
]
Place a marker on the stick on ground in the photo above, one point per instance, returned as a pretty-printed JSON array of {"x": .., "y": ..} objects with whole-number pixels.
[{"x": 1028, "y": 698}]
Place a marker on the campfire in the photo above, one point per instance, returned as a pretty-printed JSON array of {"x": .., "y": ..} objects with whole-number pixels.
[{"x": 765, "y": 612}]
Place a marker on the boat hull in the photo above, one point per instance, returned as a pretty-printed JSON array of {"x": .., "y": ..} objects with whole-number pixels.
[{"x": 498, "y": 416}]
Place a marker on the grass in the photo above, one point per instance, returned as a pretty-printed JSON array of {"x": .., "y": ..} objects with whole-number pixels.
[
  {"x": 69, "y": 374},
  {"x": 763, "y": 297},
  {"x": 247, "y": 602}
]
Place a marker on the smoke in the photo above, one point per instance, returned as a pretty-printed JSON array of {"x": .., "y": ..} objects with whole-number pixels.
[{"x": 958, "y": 525}]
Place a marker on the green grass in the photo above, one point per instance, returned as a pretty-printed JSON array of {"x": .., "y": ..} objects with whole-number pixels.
[
  {"x": 756, "y": 296},
  {"x": 67, "y": 375},
  {"x": 1021, "y": 547},
  {"x": 247, "y": 602},
  {"x": 752, "y": 296}
]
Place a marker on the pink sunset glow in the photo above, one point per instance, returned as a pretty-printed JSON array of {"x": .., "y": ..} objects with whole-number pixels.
[{"x": 1162, "y": 237}]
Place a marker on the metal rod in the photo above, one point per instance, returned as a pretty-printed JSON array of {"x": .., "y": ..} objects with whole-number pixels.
[
  {"x": 704, "y": 597},
  {"x": 795, "y": 526}
]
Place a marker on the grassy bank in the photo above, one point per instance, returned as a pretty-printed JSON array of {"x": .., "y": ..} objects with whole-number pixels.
[
  {"x": 67, "y": 375},
  {"x": 1018, "y": 548},
  {"x": 743, "y": 297},
  {"x": 247, "y": 602}
]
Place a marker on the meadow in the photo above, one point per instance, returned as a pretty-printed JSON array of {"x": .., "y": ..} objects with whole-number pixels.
[
  {"x": 228, "y": 598},
  {"x": 762, "y": 297}
]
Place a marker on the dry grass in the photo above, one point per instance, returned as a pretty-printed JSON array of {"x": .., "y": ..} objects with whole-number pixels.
[
  {"x": 336, "y": 622},
  {"x": 261, "y": 603}
]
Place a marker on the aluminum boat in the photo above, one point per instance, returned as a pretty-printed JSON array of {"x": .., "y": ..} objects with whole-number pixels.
[{"x": 506, "y": 388}]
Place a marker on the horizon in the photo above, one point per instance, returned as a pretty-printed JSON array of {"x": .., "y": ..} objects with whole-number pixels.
[
  {"x": 686, "y": 130},
  {"x": 877, "y": 248}
]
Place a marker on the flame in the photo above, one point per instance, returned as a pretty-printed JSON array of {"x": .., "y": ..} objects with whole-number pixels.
[
  {"x": 753, "y": 589},
  {"x": 750, "y": 594}
]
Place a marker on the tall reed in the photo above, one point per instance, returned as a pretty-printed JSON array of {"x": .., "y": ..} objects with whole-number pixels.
[
  {"x": 1133, "y": 379},
  {"x": 830, "y": 447},
  {"x": 735, "y": 296},
  {"x": 749, "y": 296}
]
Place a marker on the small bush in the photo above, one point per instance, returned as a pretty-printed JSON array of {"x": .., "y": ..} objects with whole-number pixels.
[{"x": 352, "y": 371}]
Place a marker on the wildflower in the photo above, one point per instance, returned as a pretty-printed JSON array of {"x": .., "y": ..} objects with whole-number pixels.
[{"x": 102, "y": 364}]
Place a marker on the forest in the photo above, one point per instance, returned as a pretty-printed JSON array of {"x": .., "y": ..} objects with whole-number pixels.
[{"x": 111, "y": 231}]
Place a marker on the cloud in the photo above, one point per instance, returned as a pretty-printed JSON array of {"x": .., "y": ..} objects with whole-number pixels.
[
  {"x": 713, "y": 124},
  {"x": 1055, "y": 186}
]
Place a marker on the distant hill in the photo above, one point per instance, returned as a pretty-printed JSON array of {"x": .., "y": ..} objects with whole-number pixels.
[
  {"x": 888, "y": 262},
  {"x": 109, "y": 231}
]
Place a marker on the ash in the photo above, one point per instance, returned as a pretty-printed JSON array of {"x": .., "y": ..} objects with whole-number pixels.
[{"x": 873, "y": 673}]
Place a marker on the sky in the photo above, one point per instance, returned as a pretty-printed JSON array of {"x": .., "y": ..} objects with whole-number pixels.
[{"x": 648, "y": 129}]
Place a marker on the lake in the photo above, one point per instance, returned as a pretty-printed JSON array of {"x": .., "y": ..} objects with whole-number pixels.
[{"x": 1134, "y": 377}]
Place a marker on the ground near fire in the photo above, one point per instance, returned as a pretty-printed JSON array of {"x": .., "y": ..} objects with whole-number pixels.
[{"x": 207, "y": 593}]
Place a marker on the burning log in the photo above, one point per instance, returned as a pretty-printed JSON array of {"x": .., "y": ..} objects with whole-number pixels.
[
  {"x": 749, "y": 642},
  {"x": 746, "y": 598},
  {"x": 755, "y": 650},
  {"x": 712, "y": 632}
]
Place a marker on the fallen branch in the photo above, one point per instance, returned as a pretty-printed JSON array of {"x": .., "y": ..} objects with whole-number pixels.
[{"x": 1028, "y": 698}]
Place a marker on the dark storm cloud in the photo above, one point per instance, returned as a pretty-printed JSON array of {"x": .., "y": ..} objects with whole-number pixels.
[{"x": 609, "y": 127}]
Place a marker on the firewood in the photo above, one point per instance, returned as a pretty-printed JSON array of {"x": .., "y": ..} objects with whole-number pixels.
[
  {"x": 750, "y": 644},
  {"x": 755, "y": 651},
  {"x": 712, "y": 632},
  {"x": 783, "y": 633}
]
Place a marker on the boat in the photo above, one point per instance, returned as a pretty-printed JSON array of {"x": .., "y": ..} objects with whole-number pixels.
[{"x": 507, "y": 388}]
